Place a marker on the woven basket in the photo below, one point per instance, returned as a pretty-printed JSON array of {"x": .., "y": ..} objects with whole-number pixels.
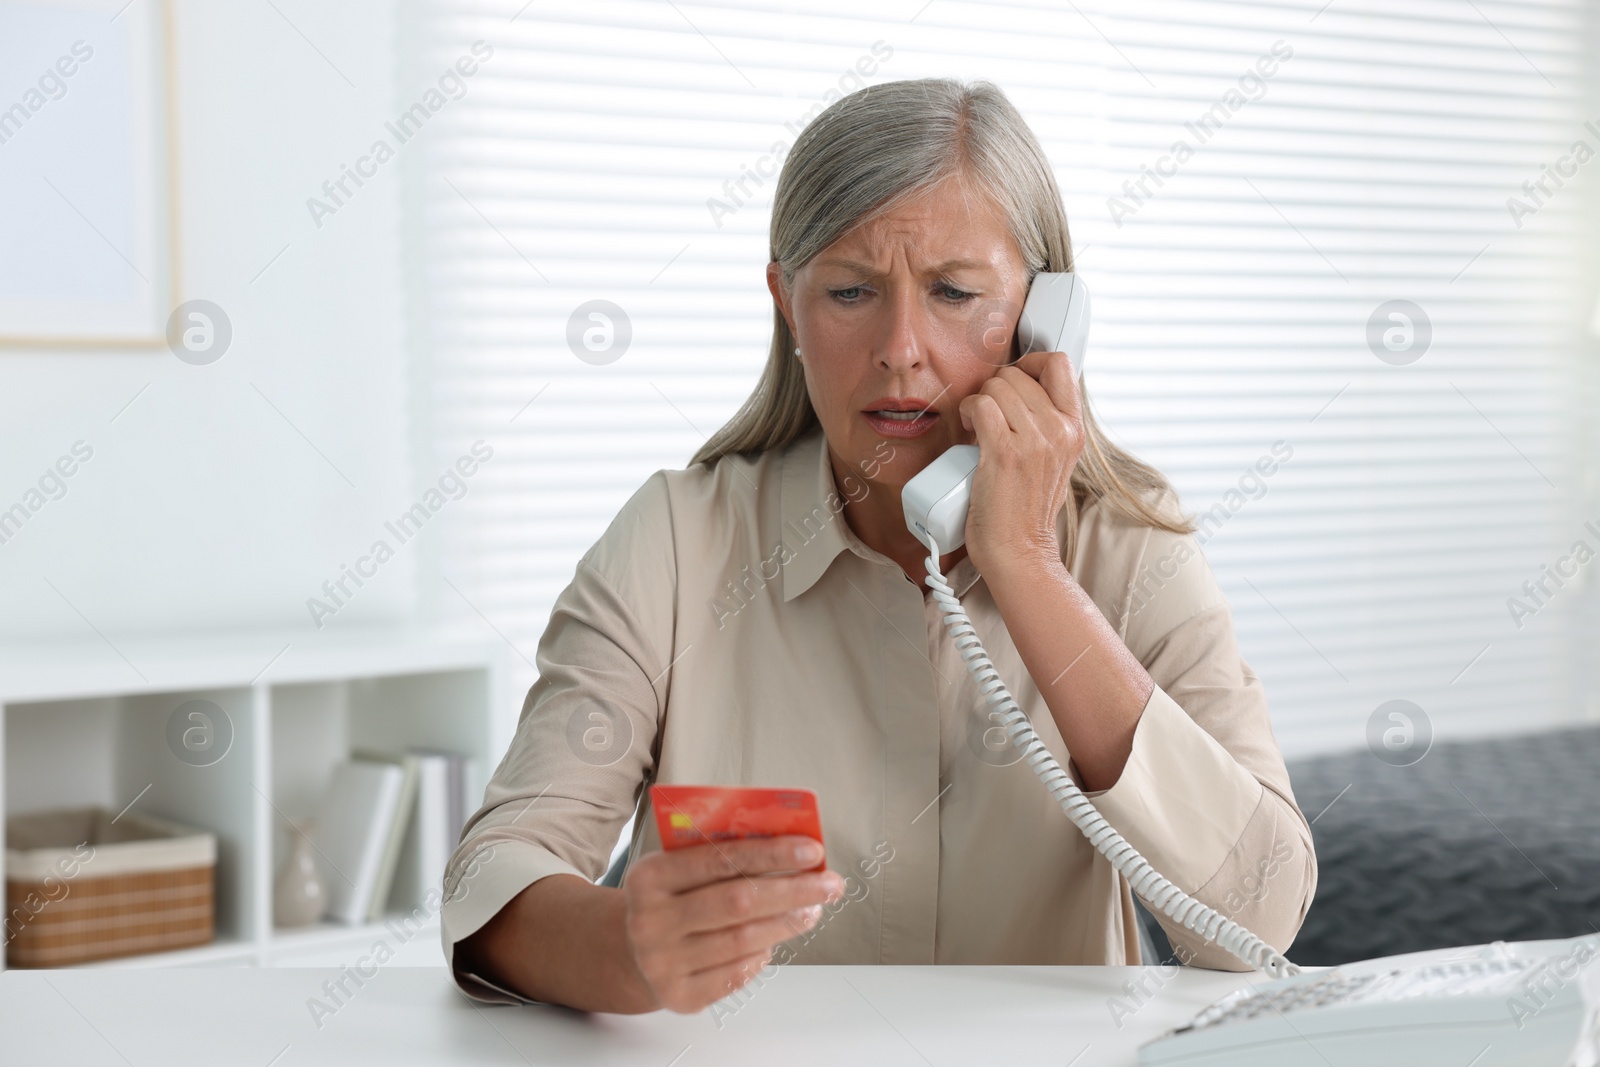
[{"x": 80, "y": 887}]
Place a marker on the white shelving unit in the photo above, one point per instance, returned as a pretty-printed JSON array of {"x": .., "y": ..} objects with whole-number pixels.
[{"x": 86, "y": 723}]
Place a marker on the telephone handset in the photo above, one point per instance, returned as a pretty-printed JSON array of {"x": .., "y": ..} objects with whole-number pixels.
[{"x": 1055, "y": 318}]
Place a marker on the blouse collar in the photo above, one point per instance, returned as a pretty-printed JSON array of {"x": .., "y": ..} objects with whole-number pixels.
[{"x": 813, "y": 524}]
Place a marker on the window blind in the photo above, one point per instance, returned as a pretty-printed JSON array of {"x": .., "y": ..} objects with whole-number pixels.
[{"x": 1294, "y": 217}]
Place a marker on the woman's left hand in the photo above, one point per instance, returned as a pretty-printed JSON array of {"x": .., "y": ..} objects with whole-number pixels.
[{"x": 1029, "y": 426}]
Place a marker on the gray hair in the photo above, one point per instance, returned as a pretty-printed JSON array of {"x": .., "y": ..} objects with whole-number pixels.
[{"x": 867, "y": 154}]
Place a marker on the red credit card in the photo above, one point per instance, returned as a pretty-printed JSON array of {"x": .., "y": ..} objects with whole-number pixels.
[{"x": 694, "y": 814}]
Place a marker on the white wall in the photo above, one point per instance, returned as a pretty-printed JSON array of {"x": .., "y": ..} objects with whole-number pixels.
[{"x": 202, "y": 506}]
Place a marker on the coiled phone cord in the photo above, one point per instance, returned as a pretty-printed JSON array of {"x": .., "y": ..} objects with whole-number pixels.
[{"x": 1152, "y": 887}]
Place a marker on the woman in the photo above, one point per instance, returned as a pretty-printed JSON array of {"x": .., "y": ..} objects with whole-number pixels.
[{"x": 763, "y": 618}]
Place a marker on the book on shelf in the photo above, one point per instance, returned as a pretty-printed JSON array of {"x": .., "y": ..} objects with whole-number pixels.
[
  {"x": 441, "y": 808},
  {"x": 394, "y": 841},
  {"x": 431, "y": 802},
  {"x": 352, "y": 833}
]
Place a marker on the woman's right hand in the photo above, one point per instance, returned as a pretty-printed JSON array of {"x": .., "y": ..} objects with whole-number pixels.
[{"x": 703, "y": 921}]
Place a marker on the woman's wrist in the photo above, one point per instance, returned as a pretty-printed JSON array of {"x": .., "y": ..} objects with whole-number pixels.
[
  {"x": 1024, "y": 565},
  {"x": 561, "y": 940}
]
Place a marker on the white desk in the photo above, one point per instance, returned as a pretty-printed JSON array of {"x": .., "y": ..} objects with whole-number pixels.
[{"x": 913, "y": 1016}]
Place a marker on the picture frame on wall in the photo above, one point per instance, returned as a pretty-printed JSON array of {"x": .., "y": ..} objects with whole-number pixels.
[{"x": 88, "y": 174}]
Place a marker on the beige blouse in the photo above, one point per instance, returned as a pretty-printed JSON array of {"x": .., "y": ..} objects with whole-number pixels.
[{"x": 730, "y": 629}]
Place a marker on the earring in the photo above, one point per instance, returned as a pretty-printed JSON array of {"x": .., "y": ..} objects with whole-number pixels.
[{"x": 797, "y": 351}]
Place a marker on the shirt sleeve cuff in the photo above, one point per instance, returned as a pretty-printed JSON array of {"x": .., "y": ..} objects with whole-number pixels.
[
  {"x": 482, "y": 885},
  {"x": 1183, "y": 801}
]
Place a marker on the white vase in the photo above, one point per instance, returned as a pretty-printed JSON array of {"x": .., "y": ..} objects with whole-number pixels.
[{"x": 300, "y": 895}]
